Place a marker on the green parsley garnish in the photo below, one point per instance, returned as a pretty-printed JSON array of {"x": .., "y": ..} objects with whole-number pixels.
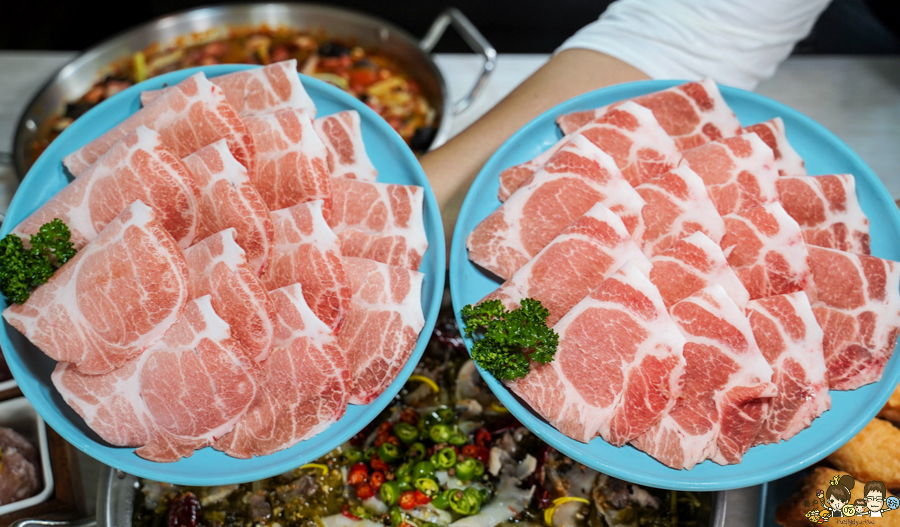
[
  {"x": 22, "y": 270},
  {"x": 510, "y": 338}
]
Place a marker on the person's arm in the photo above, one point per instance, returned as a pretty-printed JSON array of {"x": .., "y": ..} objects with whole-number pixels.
[{"x": 452, "y": 167}]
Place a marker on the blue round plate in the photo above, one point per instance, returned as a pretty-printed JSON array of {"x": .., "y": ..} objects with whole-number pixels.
[
  {"x": 824, "y": 154},
  {"x": 395, "y": 163}
]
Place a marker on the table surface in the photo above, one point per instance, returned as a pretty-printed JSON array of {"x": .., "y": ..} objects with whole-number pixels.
[{"x": 857, "y": 98}]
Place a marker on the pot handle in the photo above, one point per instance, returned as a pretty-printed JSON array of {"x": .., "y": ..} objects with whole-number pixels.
[
  {"x": 475, "y": 40},
  {"x": 85, "y": 522}
]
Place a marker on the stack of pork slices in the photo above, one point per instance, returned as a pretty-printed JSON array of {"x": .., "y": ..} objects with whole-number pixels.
[
  {"x": 707, "y": 292},
  {"x": 241, "y": 276}
]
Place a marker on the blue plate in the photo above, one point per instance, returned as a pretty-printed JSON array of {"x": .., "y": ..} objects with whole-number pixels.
[
  {"x": 31, "y": 368},
  {"x": 824, "y": 154}
]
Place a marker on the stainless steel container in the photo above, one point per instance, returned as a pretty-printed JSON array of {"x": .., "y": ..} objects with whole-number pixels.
[{"x": 208, "y": 23}]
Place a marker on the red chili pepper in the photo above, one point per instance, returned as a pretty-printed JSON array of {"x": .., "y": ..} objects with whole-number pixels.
[
  {"x": 409, "y": 416},
  {"x": 422, "y": 499},
  {"x": 358, "y": 474},
  {"x": 346, "y": 512},
  {"x": 378, "y": 464},
  {"x": 363, "y": 77},
  {"x": 385, "y": 428},
  {"x": 408, "y": 500},
  {"x": 394, "y": 440},
  {"x": 478, "y": 452},
  {"x": 482, "y": 437},
  {"x": 375, "y": 480},
  {"x": 364, "y": 491},
  {"x": 407, "y": 524},
  {"x": 378, "y": 441}
]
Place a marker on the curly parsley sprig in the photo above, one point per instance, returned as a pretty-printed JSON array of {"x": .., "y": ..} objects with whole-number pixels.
[
  {"x": 22, "y": 270},
  {"x": 511, "y": 339}
]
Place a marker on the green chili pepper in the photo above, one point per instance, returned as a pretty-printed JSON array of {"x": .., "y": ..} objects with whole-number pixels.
[
  {"x": 396, "y": 517},
  {"x": 423, "y": 469},
  {"x": 445, "y": 458},
  {"x": 486, "y": 495},
  {"x": 390, "y": 453},
  {"x": 457, "y": 439},
  {"x": 353, "y": 456},
  {"x": 403, "y": 470},
  {"x": 406, "y": 432},
  {"x": 465, "y": 469},
  {"x": 459, "y": 503},
  {"x": 473, "y": 496},
  {"x": 404, "y": 485},
  {"x": 446, "y": 415},
  {"x": 479, "y": 468},
  {"x": 390, "y": 492},
  {"x": 427, "y": 486},
  {"x": 416, "y": 452},
  {"x": 440, "y": 501},
  {"x": 440, "y": 433},
  {"x": 360, "y": 512},
  {"x": 426, "y": 422}
]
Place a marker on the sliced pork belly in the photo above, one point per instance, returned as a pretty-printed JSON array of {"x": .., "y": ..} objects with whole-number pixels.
[
  {"x": 577, "y": 177},
  {"x": 628, "y": 132},
  {"x": 304, "y": 384},
  {"x": 739, "y": 172},
  {"x": 789, "y": 337},
  {"x": 137, "y": 282},
  {"x": 347, "y": 157},
  {"x": 258, "y": 91},
  {"x": 727, "y": 386},
  {"x": 228, "y": 200},
  {"x": 379, "y": 221},
  {"x": 677, "y": 206},
  {"x": 138, "y": 167},
  {"x": 827, "y": 210},
  {"x": 766, "y": 249},
  {"x": 692, "y": 114},
  {"x": 858, "y": 307},
  {"x": 788, "y": 162},
  {"x": 217, "y": 266},
  {"x": 382, "y": 325},
  {"x": 573, "y": 264},
  {"x": 306, "y": 251},
  {"x": 618, "y": 366},
  {"x": 291, "y": 160},
  {"x": 691, "y": 264},
  {"x": 193, "y": 114}
]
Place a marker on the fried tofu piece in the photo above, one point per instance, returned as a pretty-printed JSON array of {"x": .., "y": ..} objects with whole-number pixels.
[
  {"x": 873, "y": 454},
  {"x": 792, "y": 512},
  {"x": 891, "y": 410}
]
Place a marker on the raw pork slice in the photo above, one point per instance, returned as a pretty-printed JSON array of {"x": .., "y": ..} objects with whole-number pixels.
[
  {"x": 573, "y": 264},
  {"x": 116, "y": 297},
  {"x": 382, "y": 325},
  {"x": 827, "y": 210},
  {"x": 291, "y": 160},
  {"x": 137, "y": 167},
  {"x": 347, "y": 157},
  {"x": 677, "y": 206},
  {"x": 380, "y": 221},
  {"x": 692, "y": 114},
  {"x": 304, "y": 384},
  {"x": 691, "y": 264},
  {"x": 193, "y": 114},
  {"x": 217, "y": 266},
  {"x": 307, "y": 252},
  {"x": 618, "y": 366},
  {"x": 766, "y": 249},
  {"x": 258, "y": 91},
  {"x": 789, "y": 338},
  {"x": 628, "y": 132},
  {"x": 858, "y": 307},
  {"x": 739, "y": 172},
  {"x": 577, "y": 177},
  {"x": 787, "y": 161},
  {"x": 727, "y": 386},
  {"x": 228, "y": 200}
]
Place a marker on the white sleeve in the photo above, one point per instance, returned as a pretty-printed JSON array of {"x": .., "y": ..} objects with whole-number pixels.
[{"x": 736, "y": 42}]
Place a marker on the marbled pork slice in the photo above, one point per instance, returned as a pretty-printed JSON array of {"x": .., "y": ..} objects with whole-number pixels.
[
  {"x": 827, "y": 210},
  {"x": 788, "y": 162},
  {"x": 193, "y": 114},
  {"x": 306, "y": 251},
  {"x": 789, "y": 337},
  {"x": 857, "y": 305},
  {"x": 677, "y": 206},
  {"x": 379, "y": 221},
  {"x": 304, "y": 384},
  {"x": 382, "y": 326},
  {"x": 573, "y": 264},
  {"x": 258, "y": 91},
  {"x": 727, "y": 386},
  {"x": 115, "y": 298},
  {"x": 766, "y": 249},
  {"x": 217, "y": 266},
  {"x": 138, "y": 167},
  {"x": 628, "y": 132},
  {"x": 691, "y": 264},
  {"x": 692, "y": 114},
  {"x": 228, "y": 200},
  {"x": 347, "y": 158},
  {"x": 291, "y": 160},
  {"x": 739, "y": 172},
  {"x": 617, "y": 368},
  {"x": 577, "y": 177}
]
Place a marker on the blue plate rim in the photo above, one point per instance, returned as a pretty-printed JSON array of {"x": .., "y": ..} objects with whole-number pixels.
[{"x": 431, "y": 214}]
